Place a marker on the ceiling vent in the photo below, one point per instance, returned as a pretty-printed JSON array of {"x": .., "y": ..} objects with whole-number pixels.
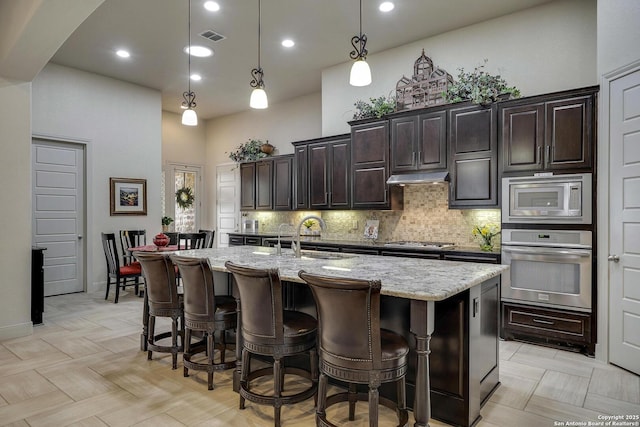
[{"x": 212, "y": 35}]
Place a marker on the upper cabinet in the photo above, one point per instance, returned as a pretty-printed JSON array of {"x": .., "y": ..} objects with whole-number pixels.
[
  {"x": 322, "y": 173},
  {"x": 370, "y": 167},
  {"x": 282, "y": 183},
  {"x": 247, "y": 186},
  {"x": 473, "y": 148},
  {"x": 552, "y": 132},
  {"x": 419, "y": 142}
]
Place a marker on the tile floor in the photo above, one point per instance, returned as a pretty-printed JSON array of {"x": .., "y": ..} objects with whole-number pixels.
[{"x": 83, "y": 367}]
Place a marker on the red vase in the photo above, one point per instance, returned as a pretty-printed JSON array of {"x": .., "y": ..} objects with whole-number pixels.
[{"x": 161, "y": 240}]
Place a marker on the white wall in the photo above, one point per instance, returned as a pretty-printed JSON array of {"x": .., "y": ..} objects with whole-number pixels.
[
  {"x": 280, "y": 124},
  {"x": 540, "y": 50},
  {"x": 15, "y": 222},
  {"x": 122, "y": 124},
  {"x": 618, "y": 34}
]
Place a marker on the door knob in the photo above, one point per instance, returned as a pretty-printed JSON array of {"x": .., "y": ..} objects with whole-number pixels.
[
  {"x": 79, "y": 236},
  {"x": 614, "y": 258}
]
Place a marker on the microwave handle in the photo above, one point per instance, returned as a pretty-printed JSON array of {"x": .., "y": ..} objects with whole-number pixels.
[{"x": 546, "y": 251}]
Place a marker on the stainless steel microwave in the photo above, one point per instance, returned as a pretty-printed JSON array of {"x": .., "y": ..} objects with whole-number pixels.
[{"x": 548, "y": 199}]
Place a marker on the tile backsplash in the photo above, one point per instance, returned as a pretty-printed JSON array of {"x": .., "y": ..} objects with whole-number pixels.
[{"x": 426, "y": 217}]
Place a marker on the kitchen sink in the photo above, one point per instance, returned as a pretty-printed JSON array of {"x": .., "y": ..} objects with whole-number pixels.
[{"x": 324, "y": 255}]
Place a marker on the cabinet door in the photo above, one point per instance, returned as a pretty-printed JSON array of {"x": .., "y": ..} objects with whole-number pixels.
[
  {"x": 568, "y": 133},
  {"x": 370, "y": 166},
  {"x": 473, "y": 146},
  {"x": 301, "y": 182},
  {"x": 319, "y": 176},
  {"x": 264, "y": 185},
  {"x": 522, "y": 137},
  {"x": 247, "y": 186},
  {"x": 432, "y": 142},
  {"x": 404, "y": 134},
  {"x": 340, "y": 173},
  {"x": 282, "y": 182}
]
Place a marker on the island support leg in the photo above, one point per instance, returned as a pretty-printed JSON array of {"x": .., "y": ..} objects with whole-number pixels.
[{"x": 422, "y": 325}]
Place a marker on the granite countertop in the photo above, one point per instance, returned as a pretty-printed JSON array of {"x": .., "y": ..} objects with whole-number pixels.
[{"x": 420, "y": 279}]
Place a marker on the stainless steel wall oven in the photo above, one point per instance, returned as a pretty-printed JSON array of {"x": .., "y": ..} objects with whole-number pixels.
[{"x": 551, "y": 268}]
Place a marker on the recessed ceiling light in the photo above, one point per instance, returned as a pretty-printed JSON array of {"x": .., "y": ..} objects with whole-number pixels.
[
  {"x": 196, "y": 77},
  {"x": 212, "y": 6},
  {"x": 288, "y": 43},
  {"x": 386, "y": 6},
  {"x": 123, "y": 53},
  {"x": 199, "y": 51}
]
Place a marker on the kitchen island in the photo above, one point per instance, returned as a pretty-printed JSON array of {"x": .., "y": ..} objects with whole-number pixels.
[{"x": 453, "y": 303}]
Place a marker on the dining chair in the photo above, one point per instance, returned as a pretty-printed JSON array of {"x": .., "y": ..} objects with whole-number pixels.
[
  {"x": 163, "y": 300},
  {"x": 210, "y": 237},
  {"x": 268, "y": 330},
  {"x": 173, "y": 237},
  {"x": 131, "y": 239},
  {"x": 354, "y": 349},
  {"x": 191, "y": 241},
  {"x": 121, "y": 274},
  {"x": 205, "y": 313}
]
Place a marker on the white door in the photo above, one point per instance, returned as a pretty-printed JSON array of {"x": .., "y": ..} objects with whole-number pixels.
[
  {"x": 227, "y": 202},
  {"x": 624, "y": 226},
  {"x": 58, "y": 213}
]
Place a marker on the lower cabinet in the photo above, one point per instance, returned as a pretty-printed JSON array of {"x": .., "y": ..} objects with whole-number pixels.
[{"x": 547, "y": 325}]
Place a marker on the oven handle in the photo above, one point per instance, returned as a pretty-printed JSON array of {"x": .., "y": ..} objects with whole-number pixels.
[{"x": 547, "y": 251}]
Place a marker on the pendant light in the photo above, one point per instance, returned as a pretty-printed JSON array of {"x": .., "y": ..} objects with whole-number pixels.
[
  {"x": 258, "y": 95},
  {"x": 360, "y": 71},
  {"x": 189, "y": 116}
]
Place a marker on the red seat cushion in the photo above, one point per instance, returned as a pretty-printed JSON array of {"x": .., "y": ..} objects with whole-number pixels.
[{"x": 130, "y": 270}]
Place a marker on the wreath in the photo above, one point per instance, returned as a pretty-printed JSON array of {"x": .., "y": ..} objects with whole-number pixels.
[{"x": 184, "y": 197}]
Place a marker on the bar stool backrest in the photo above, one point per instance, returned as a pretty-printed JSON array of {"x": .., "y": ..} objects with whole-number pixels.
[
  {"x": 160, "y": 279},
  {"x": 199, "y": 293}
]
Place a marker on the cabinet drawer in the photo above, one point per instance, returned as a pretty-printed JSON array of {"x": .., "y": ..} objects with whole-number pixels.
[
  {"x": 253, "y": 241},
  {"x": 236, "y": 241},
  {"x": 549, "y": 323}
]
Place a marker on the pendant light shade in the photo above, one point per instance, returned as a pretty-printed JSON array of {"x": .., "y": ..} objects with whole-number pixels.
[
  {"x": 360, "y": 71},
  {"x": 258, "y": 98},
  {"x": 189, "y": 116}
]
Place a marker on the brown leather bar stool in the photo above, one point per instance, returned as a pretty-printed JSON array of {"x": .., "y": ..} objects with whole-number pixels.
[
  {"x": 204, "y": 312},
  {"x": 164, "y": 301},
  {"x": 269, "y": 330},
  {"x": 354, "y": 349}
]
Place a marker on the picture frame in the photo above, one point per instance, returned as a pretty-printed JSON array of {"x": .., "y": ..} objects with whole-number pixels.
[
  {"x": 371, "y": 229},
  {"x": 128, "y": 196}
]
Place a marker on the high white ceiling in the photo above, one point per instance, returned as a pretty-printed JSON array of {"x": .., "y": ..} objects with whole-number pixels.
[{"x": 156, "y": 31}]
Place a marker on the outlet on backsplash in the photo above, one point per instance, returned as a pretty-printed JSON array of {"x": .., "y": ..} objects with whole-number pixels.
[{"x": 426, "y": 217}]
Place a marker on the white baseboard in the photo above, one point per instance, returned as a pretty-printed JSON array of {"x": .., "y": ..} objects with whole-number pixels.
[{"x": 16, "y": 331}]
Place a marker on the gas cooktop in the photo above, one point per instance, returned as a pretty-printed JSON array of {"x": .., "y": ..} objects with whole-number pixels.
[{"x": 425, "y": 245}]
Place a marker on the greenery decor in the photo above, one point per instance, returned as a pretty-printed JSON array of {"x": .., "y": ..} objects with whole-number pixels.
[
  {"x": 376, "y": 107},
  {"x": 250, "y": 150},
  {"x": 184, "y": 197},
  {"x": 309, "y": 223},
  {"x": 167, "y": 220},
  {"x": 486, "y": 233},
  {"x": 479, "y": 86}
]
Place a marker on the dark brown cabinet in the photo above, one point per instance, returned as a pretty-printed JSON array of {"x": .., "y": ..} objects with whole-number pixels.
[
  {"x": 247, "y": 186},
  {"x": 419, "y": 142},
  {"x": 551, "y": 132},
  {"x": 301, "y": 176},
  {"x": 282, "y": 183},
  {"x": 370, "y": 167},
  {"x": 551, "y": 326},
  {"x": 473, "y": 148},
  {"x": 266, "y": 184},
  {"x": 329, "y": 173}
]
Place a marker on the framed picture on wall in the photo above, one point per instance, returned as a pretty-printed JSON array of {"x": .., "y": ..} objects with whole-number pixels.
[{"x": 128, "y": 196}]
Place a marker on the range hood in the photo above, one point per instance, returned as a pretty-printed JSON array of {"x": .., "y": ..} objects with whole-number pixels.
[{"x": 418, "y": 178}]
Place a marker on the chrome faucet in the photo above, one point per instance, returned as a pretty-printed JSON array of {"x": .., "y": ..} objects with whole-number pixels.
[
  {"x": 296, "y": 245},
  {"x": 278, "y": 245}
]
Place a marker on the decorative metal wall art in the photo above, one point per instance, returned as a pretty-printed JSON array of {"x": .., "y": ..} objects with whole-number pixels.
[{"x": 424, "y": 88}]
